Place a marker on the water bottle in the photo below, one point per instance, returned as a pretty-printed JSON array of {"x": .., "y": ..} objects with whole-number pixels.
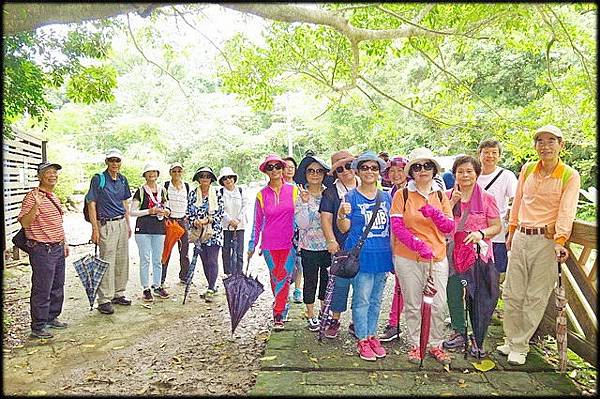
[{"x": 159, "y": 216}]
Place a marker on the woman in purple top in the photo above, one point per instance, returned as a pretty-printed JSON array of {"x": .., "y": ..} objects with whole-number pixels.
[{"x": 274, "y": 220}]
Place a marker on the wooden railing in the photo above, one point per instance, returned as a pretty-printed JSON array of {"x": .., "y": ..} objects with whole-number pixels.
[{"x": 581, "y": 286}]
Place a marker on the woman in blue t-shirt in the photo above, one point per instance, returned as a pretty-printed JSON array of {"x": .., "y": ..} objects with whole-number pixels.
[{"x": 353, "y": 216}]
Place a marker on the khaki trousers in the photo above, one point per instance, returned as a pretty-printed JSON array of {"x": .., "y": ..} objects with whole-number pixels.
[
  {"x": 530, "y": 278},
  {"x": 114, "y": 249},
  {"x": 412, "y": 277}
]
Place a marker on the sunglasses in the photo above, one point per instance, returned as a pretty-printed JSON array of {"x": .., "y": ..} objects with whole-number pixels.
[
  {"x": 311, "y": 171},
  {"x": 204, "y": 176},
  {"x": 372, "y": 168},
  {"x": 272, "y": 166},
  {"x": 176, "y": 171},
  {"x": 417, "y": 167},
  {"x": 228, "y": 177},
  {"x": 114, "y": 160},
  {"x": 340, "y": 169}
]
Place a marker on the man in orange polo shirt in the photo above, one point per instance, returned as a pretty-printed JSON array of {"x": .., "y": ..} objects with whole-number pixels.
[
  {"x": 41, "y": 216},
  {"x": 540, "y": 222}
]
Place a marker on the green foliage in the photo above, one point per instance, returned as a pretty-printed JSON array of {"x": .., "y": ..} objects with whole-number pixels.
[{"x": 92, "y": 84}]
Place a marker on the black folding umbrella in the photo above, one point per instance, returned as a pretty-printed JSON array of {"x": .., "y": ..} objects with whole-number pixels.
[
  {"x": 482, "y": 297},
  {"x": 91, "y": 269},
  {"x": 326, "y": 305},
  {"x": 241, "y": 291}
]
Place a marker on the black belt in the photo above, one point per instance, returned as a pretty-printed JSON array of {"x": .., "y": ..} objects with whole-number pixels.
[
  {"x": 530, "y": 231},
  {"x": 112, "y": 219},
  {"x": 47, "y": 244}
]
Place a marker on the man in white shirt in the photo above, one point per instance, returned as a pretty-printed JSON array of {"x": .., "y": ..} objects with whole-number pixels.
[
  {"x": 177, "y": 192},
  {"x": 502, "y": 184}
]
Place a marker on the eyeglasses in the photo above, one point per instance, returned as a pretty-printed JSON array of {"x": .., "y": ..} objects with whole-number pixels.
[
  {"x": 204, "y": 176},
  {"x": 340, "y": 169},
  {"x": 114, "y": 160},
  {"x": 372, "y": 168},
  {"x": 417, "y": 167},
  {"x": 228, "y": 177},
  {"x": 311, "y": 171},
  {"x": 272, "y": 166}
]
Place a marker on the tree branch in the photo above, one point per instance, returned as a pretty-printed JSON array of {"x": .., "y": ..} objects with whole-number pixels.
[
  {"x": 204, "y": 36},
  {"x": 157, "y": 65}
]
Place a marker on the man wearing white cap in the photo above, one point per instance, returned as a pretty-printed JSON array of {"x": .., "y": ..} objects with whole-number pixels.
[
  {"x": 108, "y": 199},
  {"x": 178, "y": 192},
  {"x": 540, "y": 222}
]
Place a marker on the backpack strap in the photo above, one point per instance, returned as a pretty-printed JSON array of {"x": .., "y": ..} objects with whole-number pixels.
[
  {"x": 167, "y": 184},
  {"x": 493, "y": 180},
  {"x": 405, "y": 197},
  {"x": 102, "y": 180}
]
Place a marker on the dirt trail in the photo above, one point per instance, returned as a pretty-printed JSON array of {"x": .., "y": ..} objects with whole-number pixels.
[{"x": 142, "y": 349}]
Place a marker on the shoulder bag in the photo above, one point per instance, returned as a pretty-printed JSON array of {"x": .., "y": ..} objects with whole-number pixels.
[{"x": 345, "y": 263}]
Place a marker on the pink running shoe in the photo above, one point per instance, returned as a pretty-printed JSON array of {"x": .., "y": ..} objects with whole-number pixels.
[
  {"x": 376, "y": 347},
  {"x": 365, "y": 351}
]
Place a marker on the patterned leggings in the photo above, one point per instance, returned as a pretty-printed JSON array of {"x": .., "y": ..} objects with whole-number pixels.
[{"x": 281, "y": 266}]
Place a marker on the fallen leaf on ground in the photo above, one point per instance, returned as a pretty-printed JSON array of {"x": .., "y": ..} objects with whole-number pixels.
[
  {"x": 314, "y": 359},
  {"x": 268, "y": 358},
  {"x": 177, "y": 359},
  {"x": 32, "y": 352},
  {"x": 573, "y": 374},
  {"x": 118, "y": 347},
  {"x": 484, "y": 365},
  {"x": 447, "y": 367},
  {"x": 147, "y": 307},
  {"x": 102, "y": 337},
  {"x": 35, "y": 393},
  {"x": 88, "y": 346}
]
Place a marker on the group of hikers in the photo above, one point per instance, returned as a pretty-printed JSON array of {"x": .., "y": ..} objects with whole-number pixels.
[{"x": 414, "y": 221}]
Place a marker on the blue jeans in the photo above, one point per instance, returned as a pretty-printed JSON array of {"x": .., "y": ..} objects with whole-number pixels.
[
  {"x": 150, "y": 247},
  {"x": 500, "y": 256},
  {"x": 47, "y": 283},
  {"x": 366, "y": 302},
  {"x": 339, "y": 301}
]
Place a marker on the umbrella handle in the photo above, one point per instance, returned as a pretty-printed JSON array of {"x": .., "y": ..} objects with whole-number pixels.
[
  {"x": 559, "y": 274},
  {"x": 96, "y": 250}
]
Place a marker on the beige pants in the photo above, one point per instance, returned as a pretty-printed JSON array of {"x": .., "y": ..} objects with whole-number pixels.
[
  {"x": 114, "y": 249},
  {"x": 531, "y": 275},
  {"x": 412, "y": 277}
]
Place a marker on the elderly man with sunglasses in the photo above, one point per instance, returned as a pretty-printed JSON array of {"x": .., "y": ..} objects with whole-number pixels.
[
  {"x": 108, "y": 204},
  {"x": 346, "y": 180}
]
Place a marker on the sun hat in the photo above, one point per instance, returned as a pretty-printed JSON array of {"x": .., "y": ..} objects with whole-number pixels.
[
  {"x": 421, "y": 154},
  {"x": 175, "y": 165},
  {"x": 226, "y": 171},
  {"x": 45, "y": 165},
  {"x": 271, "y": 158},
  {"x": 300, "y": 176},
  {"x": 150, "y": 166},
  {"x": 368, "y": 156},
  {"x": 208, "y": 169},
  {"x": 340, "y": 158},
  {"x": 394, "y": 161},
  {"x": 548, "y": 129},
  {"x": 113, "y": 153}
]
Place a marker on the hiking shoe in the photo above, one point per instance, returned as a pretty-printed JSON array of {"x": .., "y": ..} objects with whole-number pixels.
[
  {"x": 351, "y": 330},
  {"x": 517, "y": 358},
  {"x": 284, "y": 314},
  {"x": 278, "y": 323},
  {"x": 440, "y": 355},
  {"x": 503, "y": 349},
  {"x": 456, "y": 340},
  {"x": 475, "y": 351},
  {"x": 43, "y": 333},
  {"x": 147, "y": 295},
  {"x": 160, "y": 291},
  {"x": 378, "y": 350},
  {"x": 414, "y": 355},
  {"x": 121, "y": 300},
  {"x": 55, "y": 323},
  {"x": 314, "y": 324},
  {"x": 365, "y": 351},
  {"x": 209, "y": 295},
  {"x": 332, "y": 329},
  {"x": 106, "y": 308},
  {"x": 297, "y": 295},
  {"x": 390, "y": 333}
]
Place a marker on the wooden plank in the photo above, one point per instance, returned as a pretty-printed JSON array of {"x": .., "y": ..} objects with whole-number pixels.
[
  {"x": 30, "y": 159},
  {"x": 583, "y": 347},
  {"x": 584, "y": 233},
  {"x": 12, "y": 184},
  {"x": 22, "y": 148},
  {"x": 588, "y": 325},
  {"x": 589, "y": 290}
]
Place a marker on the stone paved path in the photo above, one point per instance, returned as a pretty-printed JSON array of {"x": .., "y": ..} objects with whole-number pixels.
[{"x": 296, "y": 363}]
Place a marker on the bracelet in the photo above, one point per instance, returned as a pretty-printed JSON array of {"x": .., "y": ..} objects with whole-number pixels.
[
  {"x": 342, "y": 217},
  {"x": 482, "y": 234},
  {"x": 330, "y": 241}
]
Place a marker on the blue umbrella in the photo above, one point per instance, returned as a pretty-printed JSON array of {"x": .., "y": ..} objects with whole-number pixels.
[
  {"x": 90, "y": 270},
  {"x": 190, "y": 273}
]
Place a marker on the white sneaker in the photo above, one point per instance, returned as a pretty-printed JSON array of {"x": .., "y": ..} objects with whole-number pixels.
[
  {"x": 517, "y": 358},
  {"x": 503, "y": 349}
]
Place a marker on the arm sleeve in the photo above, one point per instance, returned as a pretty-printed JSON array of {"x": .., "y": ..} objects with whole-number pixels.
[
  {"x": 258, "y": 224},
  {"x": 94, "y": 191},
  {"x": 514, "y": 210},
  {"x": 442, "y": 222},
  {"x": 406, "y": 237},
  {"x": 134, "y": 209},
  {"x": 567, "y": 209}
]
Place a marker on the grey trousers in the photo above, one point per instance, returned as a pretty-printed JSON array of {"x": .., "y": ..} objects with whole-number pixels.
[{"x": 114, "y": 249}]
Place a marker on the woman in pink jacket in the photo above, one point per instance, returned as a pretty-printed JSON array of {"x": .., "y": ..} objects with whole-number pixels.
[{"x": 274, "y": 221}]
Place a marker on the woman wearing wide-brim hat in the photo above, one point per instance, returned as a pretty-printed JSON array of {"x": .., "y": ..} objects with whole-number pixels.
[
  {"x": 419, "y": 227},
  {"x": 150, "y": 206},
  {"x": 311, "y": 241},
  {"x": 234, "y": 221},
  {"x": 274, "y": 228},
  {"x": 205, "y": 207}
]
